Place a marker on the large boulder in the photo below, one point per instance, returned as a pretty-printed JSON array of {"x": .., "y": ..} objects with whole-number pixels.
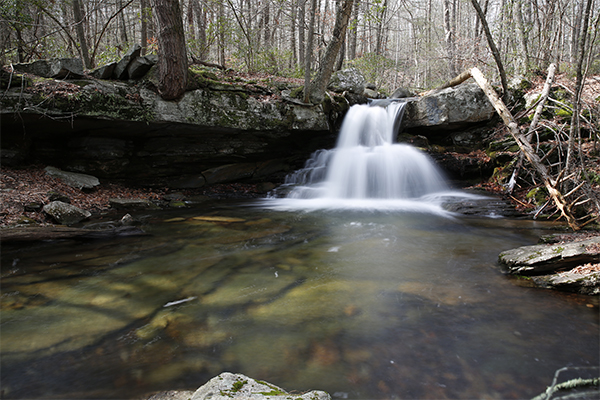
[
  {"x": 66, "y": 214},
  {"x": 237, "y": 386},
  {"x": 120, "y": 71},
  {"x": 348, "y": 80},
  {"x": 56, "y": 68},
  {"x": 448, "y": 109}
]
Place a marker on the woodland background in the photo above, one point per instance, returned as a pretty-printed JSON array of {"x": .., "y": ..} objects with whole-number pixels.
[{"x": 410, "y": 43}]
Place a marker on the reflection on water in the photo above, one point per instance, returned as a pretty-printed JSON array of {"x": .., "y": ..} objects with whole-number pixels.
[{"x": 366, "y": 304}]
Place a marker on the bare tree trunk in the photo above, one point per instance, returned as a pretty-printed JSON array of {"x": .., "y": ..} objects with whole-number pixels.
[
  {"x": 309, "y": 49},
  {"x": 492, "y": 45},
  {"x": 266, "y": 26},
  {"x": 200, "y": 13},
  {"x": 78, "y": 14},
  {"x": 123, "y": 26},
  {"x": 144, "y": 25},
  {"x": 381, "y": 32},
  {"x": 449, "y": 39},
  {"x": 574, "y": 131},
  {"x": 301, "y": 34},
  {"x": 319, "y": 84},
  {"x": 523, "y": 50},
  {"x": 172, "y": 54},
  {"x": 293, "y": 15},
  {"x": 353, "y": 32},
  {"x": 342, "y": 56},
  {"x": 221, "y": 26}
]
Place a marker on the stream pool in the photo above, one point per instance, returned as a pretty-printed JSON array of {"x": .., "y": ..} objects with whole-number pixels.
[{"x": 361, "y": 304}]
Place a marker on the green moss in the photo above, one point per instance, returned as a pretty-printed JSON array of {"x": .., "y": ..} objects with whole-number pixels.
[
  {"x": 561, "y": 112},
  {"x": 538, "y": 195},
  {"x": 297, "y": 93},
  {"x": 273, "y": 392},
  {"x": 238, "y": 385},
  {"x": 559, "y": 250}
]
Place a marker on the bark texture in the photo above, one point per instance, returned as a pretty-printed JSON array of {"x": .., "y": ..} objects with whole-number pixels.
[
  {"x": 319, "y": 84},
  {"x": 172, "y": 54}
]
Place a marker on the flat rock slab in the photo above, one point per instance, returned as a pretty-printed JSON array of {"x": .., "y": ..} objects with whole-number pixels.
[
  {"x": 237, "y": 386},
  {"x": 544, "y": 259},
  {"x": 131, "y": 204},
  {"x": 580, "y": 280},
  {"x": 73, "y": 179}
]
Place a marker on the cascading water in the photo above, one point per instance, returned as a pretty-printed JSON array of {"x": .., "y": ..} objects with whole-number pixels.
[{"x": 366, "y": 169}]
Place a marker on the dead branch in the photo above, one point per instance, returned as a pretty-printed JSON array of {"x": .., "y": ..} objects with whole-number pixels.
[
  {"x": 457, "y": 80},
  {"x": 526, "y": 148}
]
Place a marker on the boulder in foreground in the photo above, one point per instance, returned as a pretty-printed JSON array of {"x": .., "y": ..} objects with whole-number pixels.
[{"x": 237, "y": 386}]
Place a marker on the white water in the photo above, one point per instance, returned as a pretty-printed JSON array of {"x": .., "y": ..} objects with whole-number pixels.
[{"x": 367, "y": 170}]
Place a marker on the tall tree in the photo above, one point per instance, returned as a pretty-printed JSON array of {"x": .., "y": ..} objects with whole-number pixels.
[
  {"x": 319, "y": 83},
  {"x": 574, "y": 132},
  {"x": 492, "y": 44},
  {"x": 172, "y": 53},
  {"x": 79, "y": 27},
  {"x": 449, "y": 37},
  {"x": 309, "y": 50},
  {"x": 145, "y": 17}
]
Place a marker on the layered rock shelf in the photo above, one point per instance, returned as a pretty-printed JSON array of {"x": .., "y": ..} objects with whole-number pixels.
[{"x": 221, "y": 130}]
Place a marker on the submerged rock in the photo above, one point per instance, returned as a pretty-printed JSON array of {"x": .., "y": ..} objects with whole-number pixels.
[{"x": 237, "y": 386}]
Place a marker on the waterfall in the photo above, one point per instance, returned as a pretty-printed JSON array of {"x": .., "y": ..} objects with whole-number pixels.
[{"x": 366, "y": 168}]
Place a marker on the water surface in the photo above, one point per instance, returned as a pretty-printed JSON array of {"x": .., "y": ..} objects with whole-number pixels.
[{"x": 363, "y": 304}]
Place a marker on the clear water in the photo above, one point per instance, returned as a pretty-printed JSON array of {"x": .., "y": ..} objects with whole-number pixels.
[{"x": 368, "y": 305}]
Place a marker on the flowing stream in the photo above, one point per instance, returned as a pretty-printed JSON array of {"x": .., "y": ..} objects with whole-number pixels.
[
  {"x": 362, "y": 304},
  {"x": 357, "y": 283}
]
